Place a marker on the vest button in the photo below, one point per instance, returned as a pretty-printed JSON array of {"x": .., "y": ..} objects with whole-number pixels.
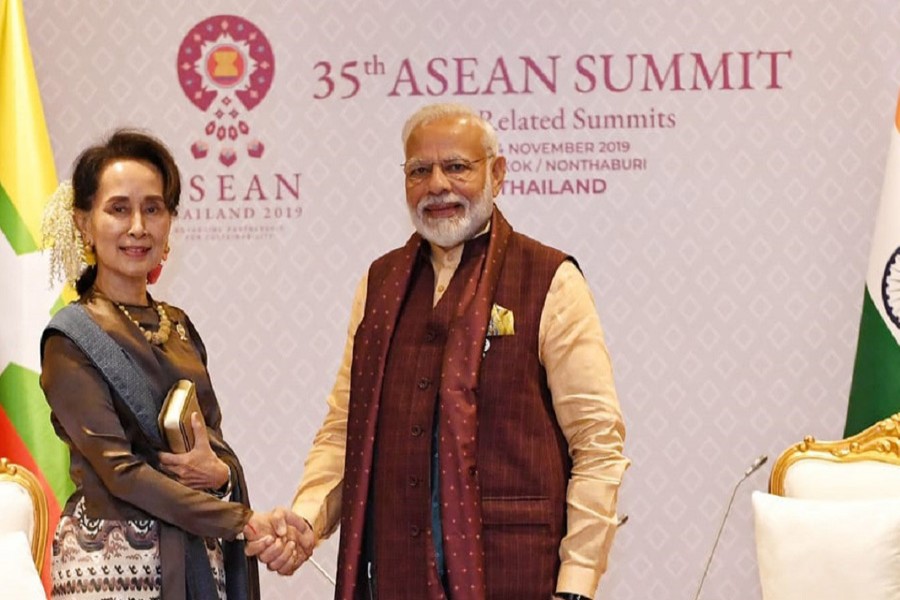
[
  {"x": 424, "y": 383},
  {"x": 416, "y": 430},
  {"x": 414, "y": 531},
  {"x": 413, "y": 481},
  {"x": 430, "y": 335}
]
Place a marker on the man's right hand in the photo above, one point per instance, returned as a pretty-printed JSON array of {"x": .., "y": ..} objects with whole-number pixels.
[{"x": 281, "y": 539}]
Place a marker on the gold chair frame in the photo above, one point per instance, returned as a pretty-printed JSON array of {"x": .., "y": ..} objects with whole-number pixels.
[
  {"x": 25, "y": 478},
  {"x": 879, "y": 442}
]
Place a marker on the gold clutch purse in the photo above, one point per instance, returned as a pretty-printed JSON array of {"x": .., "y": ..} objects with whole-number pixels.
[{"x": 175, "y": 416}]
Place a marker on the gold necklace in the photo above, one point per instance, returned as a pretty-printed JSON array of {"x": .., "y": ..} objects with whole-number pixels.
[{"x": 158, "y": 337}]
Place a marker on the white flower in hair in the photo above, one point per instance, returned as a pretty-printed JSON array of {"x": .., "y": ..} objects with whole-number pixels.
[{"x": 61, "y": 236}]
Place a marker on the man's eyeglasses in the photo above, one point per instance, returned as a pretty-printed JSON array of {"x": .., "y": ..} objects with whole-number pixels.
[{"x": 457, "y": 169}]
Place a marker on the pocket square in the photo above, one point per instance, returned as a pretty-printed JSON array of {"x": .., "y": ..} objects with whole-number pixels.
[{"x": 502, "y": 322}]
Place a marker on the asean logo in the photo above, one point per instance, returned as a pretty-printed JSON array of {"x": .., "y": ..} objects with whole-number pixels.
[{"x": 225, "y": 68}]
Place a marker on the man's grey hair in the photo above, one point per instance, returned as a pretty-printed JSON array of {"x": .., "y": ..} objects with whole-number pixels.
[{"x": 432, "y": 112}]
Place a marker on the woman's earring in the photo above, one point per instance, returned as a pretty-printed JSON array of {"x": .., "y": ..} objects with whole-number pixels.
[
  {"x": 88, "y": 256},
  {"x": 155, "y": 272}
]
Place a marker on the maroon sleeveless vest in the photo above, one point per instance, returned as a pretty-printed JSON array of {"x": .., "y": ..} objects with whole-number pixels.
[{"x": 518, "y": 467}]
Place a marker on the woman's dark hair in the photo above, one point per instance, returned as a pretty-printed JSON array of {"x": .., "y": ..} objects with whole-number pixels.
[{"x": 122, "y": 144}]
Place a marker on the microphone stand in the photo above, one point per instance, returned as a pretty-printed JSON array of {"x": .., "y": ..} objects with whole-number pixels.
[
  {"x": 752, "y": 469},
  {"x": 322, "y": 570}
]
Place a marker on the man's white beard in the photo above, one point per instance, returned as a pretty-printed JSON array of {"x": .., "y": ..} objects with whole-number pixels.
[{"x": 450, "y": 232}]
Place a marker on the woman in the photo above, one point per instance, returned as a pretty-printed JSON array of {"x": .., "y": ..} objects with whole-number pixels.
[{"x": 142, "y": 522}]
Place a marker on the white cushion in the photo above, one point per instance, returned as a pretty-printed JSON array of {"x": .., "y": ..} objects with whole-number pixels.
[
  {"x": 827, "y": 549},
  {"x": 19, "y": 578},
  {"x": 861, "y": 480},
  {"x": 16, "y": 509}
]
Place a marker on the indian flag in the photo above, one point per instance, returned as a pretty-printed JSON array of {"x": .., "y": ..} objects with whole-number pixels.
[
  {"x": 27, "y": 178},
  {"x": 875, "y": 391}
]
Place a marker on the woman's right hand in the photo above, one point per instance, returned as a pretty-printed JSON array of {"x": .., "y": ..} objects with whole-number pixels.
[{"x": 281, "y": 539}]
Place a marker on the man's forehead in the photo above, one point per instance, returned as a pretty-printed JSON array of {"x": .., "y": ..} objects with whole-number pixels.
[
  {"x": 444, "y": 134},
  {"x": 449, "y": 122}
]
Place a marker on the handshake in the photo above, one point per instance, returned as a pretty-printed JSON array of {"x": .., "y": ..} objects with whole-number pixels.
[{"x": 281, "y": 539}]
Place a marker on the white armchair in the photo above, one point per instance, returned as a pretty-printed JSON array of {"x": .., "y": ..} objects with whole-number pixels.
[
  {"x": 830, "y": 527},
  {"x": 23, "y": 532}
]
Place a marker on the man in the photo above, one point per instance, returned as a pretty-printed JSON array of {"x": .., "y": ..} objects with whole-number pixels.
[{"x": 473, "y": 444}]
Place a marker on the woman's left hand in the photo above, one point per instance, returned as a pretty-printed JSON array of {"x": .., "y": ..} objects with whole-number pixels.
[{"x": 200, "y": 468}]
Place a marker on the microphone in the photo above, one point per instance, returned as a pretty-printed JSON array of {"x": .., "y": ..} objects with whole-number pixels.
[{"x": 760, "y": 461}]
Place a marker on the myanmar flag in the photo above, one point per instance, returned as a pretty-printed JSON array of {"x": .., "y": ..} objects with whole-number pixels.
[
  {"x": 27, "y": 178},
  {"x": 875, "y": 391}
]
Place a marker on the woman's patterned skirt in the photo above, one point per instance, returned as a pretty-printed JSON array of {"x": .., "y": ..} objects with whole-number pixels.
[{"x": 104, "y": 559}]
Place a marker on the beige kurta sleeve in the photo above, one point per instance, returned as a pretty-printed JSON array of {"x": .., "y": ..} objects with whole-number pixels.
[
  {"x": 579, "y": 374},
  {"x": 318, "y": 498}
]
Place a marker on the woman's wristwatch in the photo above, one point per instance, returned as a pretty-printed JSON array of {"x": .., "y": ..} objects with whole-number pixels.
[{"x": 226, "y": 488}]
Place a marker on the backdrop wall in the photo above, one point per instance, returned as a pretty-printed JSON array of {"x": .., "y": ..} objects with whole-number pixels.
[{"x": 713, "y": 165}]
